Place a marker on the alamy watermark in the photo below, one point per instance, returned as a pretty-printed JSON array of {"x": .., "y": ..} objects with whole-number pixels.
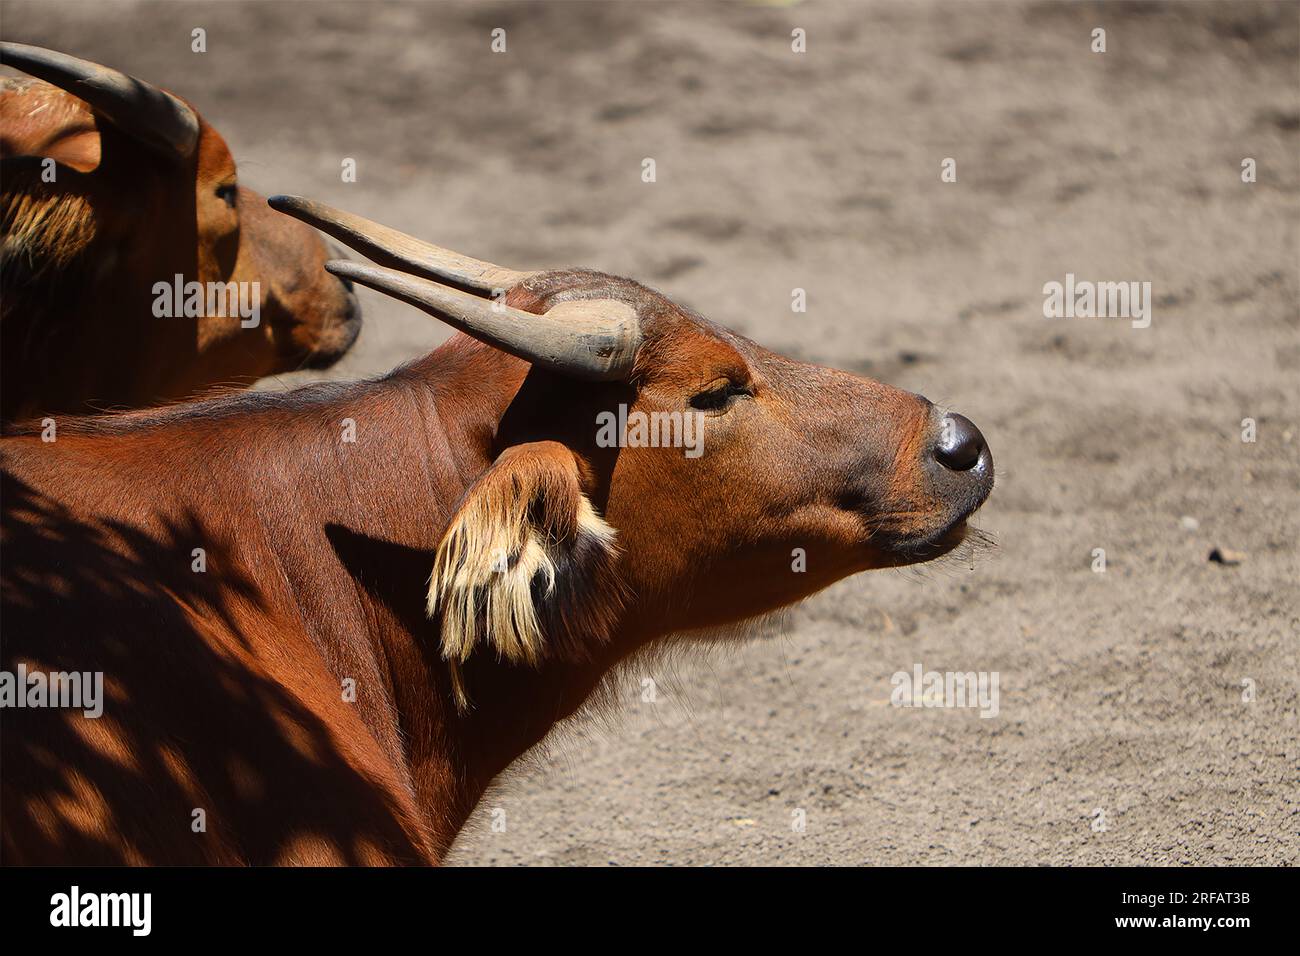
[
  {"x": 922, "y": 688},
  {"x": 1084, "y": 299},
  {"x": 82, "y": 690},
  {"x": 196, "y": 300},
  {"x": 626, "y": 429},
  {"x": 133, "y": 911}
]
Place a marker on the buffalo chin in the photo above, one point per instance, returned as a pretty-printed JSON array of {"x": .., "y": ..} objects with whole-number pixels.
[
  {"x": 327, "y": 356},
  {"x": 919, "y": 549}
]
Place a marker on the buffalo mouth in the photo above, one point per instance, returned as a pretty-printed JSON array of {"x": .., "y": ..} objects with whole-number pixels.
[
  {"x": 907, "y": 543},
  {"x": 918, "y": 549},
  {"x": 341, "y": 339},
  {"x": 958, "y": 495}
]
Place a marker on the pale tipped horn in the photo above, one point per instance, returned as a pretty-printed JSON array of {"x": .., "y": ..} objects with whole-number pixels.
[
  {"x": 389, "y": 247},
  {"x": 593, "y": 339},
  {"x": 145, "y": 112}
]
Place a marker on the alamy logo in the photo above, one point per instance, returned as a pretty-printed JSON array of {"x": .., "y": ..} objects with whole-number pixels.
[
  {"x": 651, "y": 430},
  {"x": 196, "y": 300},
  {"x": 75, "y": 908},
  {"x": 1084, "y": 299},
  {"x": 77, "y": 689},
  {"x": 922, "y": 688}
]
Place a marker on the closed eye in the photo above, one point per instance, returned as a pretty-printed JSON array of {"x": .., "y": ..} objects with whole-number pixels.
[{"x": 720, "y": 397}]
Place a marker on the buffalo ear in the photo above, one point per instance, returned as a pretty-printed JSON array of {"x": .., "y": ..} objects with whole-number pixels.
[
  {"x": 63, "y": 130},
  {"x": 526, "y": 566}
]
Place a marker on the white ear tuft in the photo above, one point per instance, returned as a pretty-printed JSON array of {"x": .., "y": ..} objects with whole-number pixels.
[{"x": 522, "y": 525}]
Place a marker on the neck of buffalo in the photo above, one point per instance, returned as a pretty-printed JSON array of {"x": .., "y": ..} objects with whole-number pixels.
[{"x": 312, "y": 679}]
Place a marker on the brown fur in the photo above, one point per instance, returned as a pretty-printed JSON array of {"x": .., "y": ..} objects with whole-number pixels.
[
  {"x": 79, "y": 258},
  {"x": 226, "y": 685}
]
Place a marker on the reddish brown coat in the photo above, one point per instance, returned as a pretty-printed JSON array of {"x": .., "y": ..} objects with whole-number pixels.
[{"x": 225, "y": 688}]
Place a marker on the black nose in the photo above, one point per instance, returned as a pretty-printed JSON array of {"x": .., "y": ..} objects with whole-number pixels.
[{"x": 960, "y": 443}]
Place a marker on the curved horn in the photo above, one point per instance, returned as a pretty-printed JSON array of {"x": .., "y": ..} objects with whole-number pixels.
[
  {"x": 593, "y": 339},
  {"x": 133, "y": 106},
  {"x": 389, "y": 247}
]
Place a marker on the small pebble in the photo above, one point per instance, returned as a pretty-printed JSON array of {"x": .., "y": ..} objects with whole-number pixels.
[{"x": 1227, "y": 556}]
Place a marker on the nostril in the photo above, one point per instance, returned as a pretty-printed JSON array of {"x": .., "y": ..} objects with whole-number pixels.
[{"x": 960, "y": 443}]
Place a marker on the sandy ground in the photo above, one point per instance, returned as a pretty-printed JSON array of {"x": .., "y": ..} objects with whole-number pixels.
[{"x": 1122, "y": 734}]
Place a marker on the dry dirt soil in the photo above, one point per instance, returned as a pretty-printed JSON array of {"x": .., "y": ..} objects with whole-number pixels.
[{"x": 1123, "y": 735}]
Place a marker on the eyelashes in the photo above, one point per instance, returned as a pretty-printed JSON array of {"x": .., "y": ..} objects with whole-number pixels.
[{"x": 720, "y": 398}]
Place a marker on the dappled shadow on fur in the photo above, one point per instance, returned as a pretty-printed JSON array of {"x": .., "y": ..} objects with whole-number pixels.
[{"x": 189, "y": 722}]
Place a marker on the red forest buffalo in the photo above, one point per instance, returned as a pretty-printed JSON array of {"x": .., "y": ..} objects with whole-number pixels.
[
  {"x": 328, "y": 619},
  {"x": 112, "y": 188}
]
